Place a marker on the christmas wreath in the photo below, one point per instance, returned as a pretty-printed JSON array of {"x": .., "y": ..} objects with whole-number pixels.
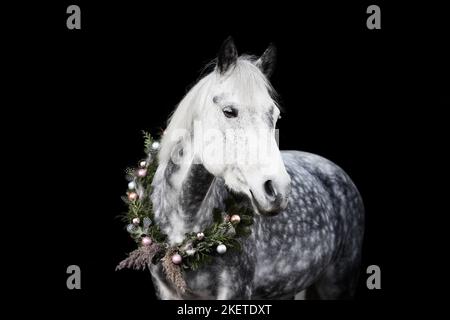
[{"x": 197, "y": 249}]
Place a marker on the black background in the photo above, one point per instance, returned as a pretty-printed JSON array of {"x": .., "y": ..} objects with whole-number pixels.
[{"x": 350, "y": 94}]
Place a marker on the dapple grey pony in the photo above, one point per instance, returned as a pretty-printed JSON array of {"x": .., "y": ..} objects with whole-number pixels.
[{"x": 309, "y": 217}]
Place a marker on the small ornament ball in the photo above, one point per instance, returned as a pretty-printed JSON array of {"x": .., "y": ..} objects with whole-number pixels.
[
  {"x": 142, "y": 172},
  {"x": 221, "y": 249},
  {"x": 143, "y": 164},
  {"x": 132, "y": 196},
  {"x": 235, "y": 218},
  {"x": 146, "y": 241},
  {"x": 155, "y": 145},
  {"x": 176, "y": 258},
  {"x": 136, "y": 220},
  {"x": 200, "y": 236},
  {"x": 131, "y": 185}
]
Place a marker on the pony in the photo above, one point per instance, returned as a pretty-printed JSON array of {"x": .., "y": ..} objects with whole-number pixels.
[{"x": 309, "y": 216}]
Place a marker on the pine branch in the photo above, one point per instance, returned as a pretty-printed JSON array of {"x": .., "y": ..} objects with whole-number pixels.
[{"x": 148, "y": 141}]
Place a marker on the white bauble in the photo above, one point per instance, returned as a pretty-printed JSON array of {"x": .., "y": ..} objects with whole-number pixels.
[{"x": 221, "y": 249}]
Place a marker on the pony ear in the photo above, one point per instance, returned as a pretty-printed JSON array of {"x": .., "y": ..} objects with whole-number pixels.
[
  {"x": 266, "y": 63},
  {"x": 227, "y": 55}
]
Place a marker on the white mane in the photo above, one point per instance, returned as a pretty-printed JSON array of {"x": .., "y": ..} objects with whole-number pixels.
[{"x": 245, "y": 78}]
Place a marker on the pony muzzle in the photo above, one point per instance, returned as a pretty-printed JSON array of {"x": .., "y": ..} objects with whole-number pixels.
[{"x": 273, "y": 199}]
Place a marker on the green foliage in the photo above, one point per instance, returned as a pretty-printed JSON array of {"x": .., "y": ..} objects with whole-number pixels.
[{"x": 148, "y": 141}]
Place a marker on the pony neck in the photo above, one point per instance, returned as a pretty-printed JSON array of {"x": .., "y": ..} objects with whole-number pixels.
[{"x": 183, "y": 199}]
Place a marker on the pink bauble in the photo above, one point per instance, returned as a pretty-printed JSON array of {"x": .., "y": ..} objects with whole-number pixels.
[
  {"x": 235, "y": 218},
  {"x": 136, "y": 220},
  {"x": 132, "y": 196},
  {"x": 146, "y": 241},
  {"x": 142, "y": 172},
  {"x": 176, "y": 258}
]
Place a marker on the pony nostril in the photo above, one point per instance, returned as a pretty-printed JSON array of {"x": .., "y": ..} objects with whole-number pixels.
[{"x": 268, "y": 187}]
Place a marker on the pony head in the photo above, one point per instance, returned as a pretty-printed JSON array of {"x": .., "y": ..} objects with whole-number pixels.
[{"x": 226, "y": 122}]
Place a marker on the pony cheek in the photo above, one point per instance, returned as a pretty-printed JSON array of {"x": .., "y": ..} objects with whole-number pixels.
[{"x": 212, "y": 159}]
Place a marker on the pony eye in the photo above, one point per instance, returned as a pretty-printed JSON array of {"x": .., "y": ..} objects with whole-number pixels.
[{"x": 230, "y": 112}]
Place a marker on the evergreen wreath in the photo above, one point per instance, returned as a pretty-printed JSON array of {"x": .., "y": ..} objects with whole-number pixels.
[{"x": 197, "y": 249}]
